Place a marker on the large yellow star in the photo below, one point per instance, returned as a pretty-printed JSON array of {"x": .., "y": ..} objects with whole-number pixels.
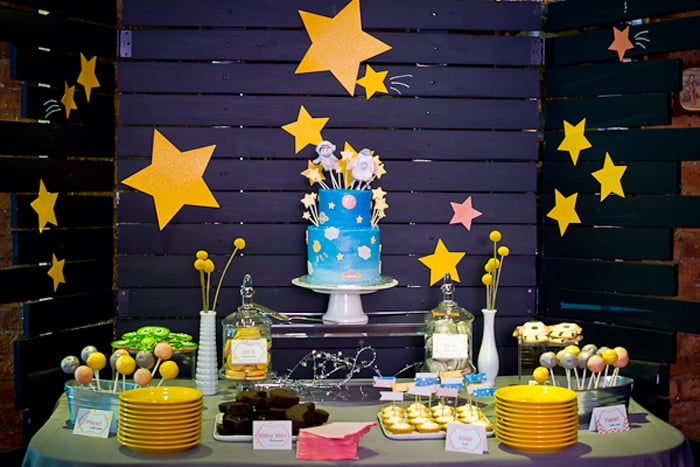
[
  {"x": 87, "y": 75},
  {"x": 610, "y": 178},
  {"x": 621, "y": 42},
  {"x": 56, "y": 271},
  {"x": 44, "y": 206},
  {"x": 174, "y": 178},
  {"x": 441, "y": 262},
  {"x": 564, "y": 211},
  {"x": 338, "y": 45},
  {"x": 306, "y": 129},
  {"x": 574, "y": 141},
  {"x": 68, "y": 99},
  {"x": 373, "y": 81}
]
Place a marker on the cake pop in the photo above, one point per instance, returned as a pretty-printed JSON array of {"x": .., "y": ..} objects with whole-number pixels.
[
  {"x": 83, "y": 374},
  {"x": 115, "y": 355},
  {"x": 609, "y": 357},
  {"x": 145, "y": 359},
  {"x": 97, "y": 361},
  {"x": 549, "y": 361},
  {"x": 69, "y": 364},
  {"x": 596, "y": 364},
  {"x": 125, "y": 366},
  {"x": 574, "y": 349},
  {"x": 87, "y": 350},
  {"x": 568, "y": 360},
  {"x": 600, "y": 350},
  {"x": 142, "y": 377},
  {"x": 623, "y": 359},
  {"x": 590, "y": 348},
  {"x": 540, "y": 374},
  {"x": 163, "y": 351},
  {"x": 582, "y": 358},
  {"x": 168, "y": 370}
]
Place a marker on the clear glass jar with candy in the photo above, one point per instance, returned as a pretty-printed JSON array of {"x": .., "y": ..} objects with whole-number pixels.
[
  {"x": 247, "y": 339},
  {"x": 448, "y": 335}
]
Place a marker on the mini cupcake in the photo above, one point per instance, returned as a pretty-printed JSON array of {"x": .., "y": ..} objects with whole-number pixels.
[{"x": 401, "y": 428}]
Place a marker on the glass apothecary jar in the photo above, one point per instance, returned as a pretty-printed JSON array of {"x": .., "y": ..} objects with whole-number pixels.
[
  {"x": 448, "y": 335},
  {"x": 247, "y": 339}
]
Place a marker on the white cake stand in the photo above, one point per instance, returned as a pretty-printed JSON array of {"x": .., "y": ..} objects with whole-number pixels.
[{"x": 345, "y": 301}]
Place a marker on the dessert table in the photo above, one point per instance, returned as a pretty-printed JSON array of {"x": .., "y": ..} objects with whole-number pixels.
[{"x": 650, "y": 441}]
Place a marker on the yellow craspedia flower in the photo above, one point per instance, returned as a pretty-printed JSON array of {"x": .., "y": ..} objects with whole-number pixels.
[
  {"x": 208, "y": 265},
  {"x": 202, "y": 254},
  {"x": 493, "y": 264},
  {"x": 495, "y": 236},
  {"x": 488, "y": 267},
  {"x": 239, "y": 243},
  {"x": 199, "y": 264},
  {"x": 487, "y": 279},
  {"x": 503, "y": 250}
]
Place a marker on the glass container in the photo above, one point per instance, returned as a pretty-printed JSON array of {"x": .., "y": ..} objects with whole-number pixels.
[
  {"x": 448, "y": 335},
  {"x": 247, "y": 339}
]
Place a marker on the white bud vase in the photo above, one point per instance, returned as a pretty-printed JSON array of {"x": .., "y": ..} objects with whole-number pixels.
[
  {"x": 487, "y": 361},
  {"x": 207, "y": 373}
]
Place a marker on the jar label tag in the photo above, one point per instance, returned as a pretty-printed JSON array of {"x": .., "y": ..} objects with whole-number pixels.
[
  {"x": 248, "y": 351},
  {"x": 450, "y": 346}
]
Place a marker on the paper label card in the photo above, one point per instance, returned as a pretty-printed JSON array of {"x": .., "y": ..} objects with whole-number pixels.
[
  {"x": 93, "y": 423},
  {"x": 450, "y": 346},
  {"x": 272, "y": 434},
  {"x": 610, "y": 419},
  {"x": 248, "y": 351},
  {"x": 463, "y": 437}
]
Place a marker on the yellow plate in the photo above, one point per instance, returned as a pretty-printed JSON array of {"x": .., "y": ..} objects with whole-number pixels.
[
  {"x": 534, "y": 446},
  {"x": 172, "y": 415},
  {"x": 150, "y": 449},
  {"x": 535, "y": 394},
  {"x": 534, "y": 449},
  {"x": 534, "y": 415},
  {"x": 535, "y": 428},
  {"x": 161, "y": 395},
  {"x": 158, "y": 427},
  {"x": 535, "y": 406},
  {"x": 160, "y": 431},
  {"x": 161, "y": 408},
  {"x": 165, "y": 438},
  {"x": 539, "y": 435}
]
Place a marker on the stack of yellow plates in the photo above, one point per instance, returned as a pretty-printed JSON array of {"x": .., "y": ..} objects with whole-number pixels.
[
  {"x": 160, "y": 420},
  {"x": 536, "y": 418}
]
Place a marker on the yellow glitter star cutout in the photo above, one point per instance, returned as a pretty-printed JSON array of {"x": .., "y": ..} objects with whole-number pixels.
[{"x": 441, "y": 262}]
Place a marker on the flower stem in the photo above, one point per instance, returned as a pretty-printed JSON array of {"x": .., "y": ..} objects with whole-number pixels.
[
  {"x": 204, "y": 296},
  {"x": 221, "y": 279}
]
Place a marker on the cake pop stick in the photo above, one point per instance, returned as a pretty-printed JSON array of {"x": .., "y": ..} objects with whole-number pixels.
[
  {"x": 549, "y": 361},
  {"x": 574, "y": 349},
  {"x": 609, "y": 357},
  {"x": 113, "y": 364},
  {"x": 125, "y": 366},
  {"x": 582, "y": 358},
  {"x": 163, "y": 351},
  {"x": 168, "y": 370},
  {"x": 97, "y": 361},
  {"x": 568, "y": 361}
]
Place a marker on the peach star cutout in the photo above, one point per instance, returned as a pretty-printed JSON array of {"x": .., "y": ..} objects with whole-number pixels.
[
  {"x": 464, "y": 213},
  {"x": 44, "y": 206},
  {"x": 87, "y": 75},
  {"x": 347, "y": 155},
  {"x": 441, "y": 262},
  {"x": 68, "y": 99},
  {"x": 621, "y": 42},
  {"x": 338, "y": 45},
  {"x": 373, "y": 81},
  {"x": 610, "y": 178},
  {"x": 313, "y": 172},
  {"x": 574, "y": 140},
  {"x": 174, "y": 178},
  {"x": 564, "y": 211},
  {"x": 306, "y": 129},
  {"x": 56, "y": 271}
]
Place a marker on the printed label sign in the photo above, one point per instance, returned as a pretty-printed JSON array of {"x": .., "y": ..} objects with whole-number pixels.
[
  {"x": 611, "y": 419},
  {"x": 248, "y": 352},
  {"x": 450, "y": 346},
  {"x": 93, "y": 423}
]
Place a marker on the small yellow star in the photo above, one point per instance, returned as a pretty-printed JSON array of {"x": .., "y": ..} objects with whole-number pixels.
[
  {"x": 381, "y": 170},
  {"x": 331, "y": 205},
  {"x": 621, "y": 42},
  {"x": 373, "y": 240},
  {"x": 359, "y": 219},
  {"x": 610, "y": 178},
  {"x": 313, "y": 172},
  {"x": 44, "y": 206},
  {"x": 174, "y": 178},
  {"x": 441, "y": 262},
  {"x": 381, "y": 204},
  {"x": 339, "y": 257},
  {"x": 574, "y": 140},
  {"x": 309, "y": 200},
  {"x": 339, "y": 44},
  {"x": 564, "y": 211},
  {"x": 87, "y": 75},
  {"x": 373, "y": 81},
  {"x": 378, "y": 193},
  {"x": 347, "y": 154},
  {"x": 56, "y": 271},
  {"x": 68, "y": 99},
  {"x": 306, "y": 129}
]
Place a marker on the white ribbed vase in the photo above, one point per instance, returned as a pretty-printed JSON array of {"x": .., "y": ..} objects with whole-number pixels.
[
  {"x": 207, "y": 373},
  {"x": 488, "y": 362}
]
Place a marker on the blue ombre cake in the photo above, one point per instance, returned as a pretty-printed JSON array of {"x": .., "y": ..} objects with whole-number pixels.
[{"x": 344, "y": 249}]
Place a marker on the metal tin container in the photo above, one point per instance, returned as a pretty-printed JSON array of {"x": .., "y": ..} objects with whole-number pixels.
[
  {"x": 617, "y": 392},
  {"x": 81, "y": 397}
]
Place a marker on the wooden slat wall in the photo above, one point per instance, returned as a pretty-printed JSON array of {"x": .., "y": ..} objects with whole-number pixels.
[
  {"x": 221, "y": 75},
  {"x": 613, "y": 272},
  {"x": 74, "y": 157}
]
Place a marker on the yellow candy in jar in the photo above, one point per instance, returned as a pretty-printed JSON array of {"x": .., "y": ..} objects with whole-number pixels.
[{"x": 540, "y": 374}]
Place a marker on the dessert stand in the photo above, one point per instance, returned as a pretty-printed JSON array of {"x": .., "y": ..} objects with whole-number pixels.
[{"x": 345, "y": 301}]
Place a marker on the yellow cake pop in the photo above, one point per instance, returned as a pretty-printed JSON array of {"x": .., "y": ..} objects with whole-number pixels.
[{"x": 168, "y": 370}]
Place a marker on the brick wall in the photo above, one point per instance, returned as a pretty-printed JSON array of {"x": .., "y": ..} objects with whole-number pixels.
[{"x": 10, "y": 315}]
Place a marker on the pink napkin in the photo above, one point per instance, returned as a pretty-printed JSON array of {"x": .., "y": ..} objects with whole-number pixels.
[{"x": 333, "y": 441}]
